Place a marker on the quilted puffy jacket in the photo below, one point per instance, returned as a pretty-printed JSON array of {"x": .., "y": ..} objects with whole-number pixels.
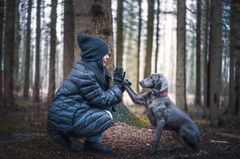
[{"x": 80, "y": 96}]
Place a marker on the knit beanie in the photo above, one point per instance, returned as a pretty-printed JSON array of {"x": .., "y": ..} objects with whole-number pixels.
[{"x": 92, "y": 48}]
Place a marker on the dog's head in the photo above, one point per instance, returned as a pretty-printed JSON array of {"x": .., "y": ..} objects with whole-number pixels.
[{"x": 156, "y": 82}]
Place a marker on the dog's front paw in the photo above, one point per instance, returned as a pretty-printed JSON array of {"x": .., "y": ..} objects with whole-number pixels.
[{"x": 150, "y": 152}]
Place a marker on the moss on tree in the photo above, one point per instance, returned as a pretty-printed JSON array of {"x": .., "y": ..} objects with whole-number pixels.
[{"x": 123, "y": 114}]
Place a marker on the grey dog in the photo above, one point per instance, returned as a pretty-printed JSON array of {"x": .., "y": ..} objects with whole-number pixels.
[{"x": 164, "y": 114}]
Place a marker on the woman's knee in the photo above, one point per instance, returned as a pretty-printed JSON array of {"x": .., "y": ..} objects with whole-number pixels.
[
  {"x": 109, "y": 114},
  {"x": 93, "y": 123},
  {"x": 107, "y": 120}
]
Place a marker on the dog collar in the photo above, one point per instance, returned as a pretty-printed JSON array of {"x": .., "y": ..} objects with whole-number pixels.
[
  {"x": 160, "y": 94},
  {"x": 163, "y": 94}
]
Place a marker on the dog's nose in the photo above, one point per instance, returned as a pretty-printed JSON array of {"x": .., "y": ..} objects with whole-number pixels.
[{"x": 140, "y": 82}]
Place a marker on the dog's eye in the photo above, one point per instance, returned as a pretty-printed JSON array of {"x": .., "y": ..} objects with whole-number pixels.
[{"x": 152, "y": 79}]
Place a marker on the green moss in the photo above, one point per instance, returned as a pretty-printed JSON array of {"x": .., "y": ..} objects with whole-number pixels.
[{"x": 123, "y": 114}]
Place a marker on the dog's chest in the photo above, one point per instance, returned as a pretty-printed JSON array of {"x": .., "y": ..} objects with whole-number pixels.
[
  {"x": 157, "y": 107},
  {"x": 156, "y": 111}
]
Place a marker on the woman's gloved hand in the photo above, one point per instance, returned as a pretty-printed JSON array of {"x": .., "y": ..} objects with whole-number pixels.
[
  {"x": 119, "y": 75},
  {"x": 127, "y": 82}
]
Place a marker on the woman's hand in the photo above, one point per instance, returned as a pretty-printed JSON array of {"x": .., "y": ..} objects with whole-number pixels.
[
  {"x": 127, "y": 82},
  {"x": 119, "y": 75}
]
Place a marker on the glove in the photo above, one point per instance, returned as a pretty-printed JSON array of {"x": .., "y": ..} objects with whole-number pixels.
[
  {"x": 126, "y": 82},
  {"x": 119, "y": 75}
]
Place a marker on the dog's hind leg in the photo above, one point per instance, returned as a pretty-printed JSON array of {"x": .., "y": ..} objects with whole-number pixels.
[
  {"x": 192, "y": 141},
  {"x": 179, "y": 138},
  {"x": 160, "y": 126},
  {"x": 187, "y": 139}
]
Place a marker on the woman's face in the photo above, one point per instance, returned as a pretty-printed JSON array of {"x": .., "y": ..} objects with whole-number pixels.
[{"x": 106, "y": 58}]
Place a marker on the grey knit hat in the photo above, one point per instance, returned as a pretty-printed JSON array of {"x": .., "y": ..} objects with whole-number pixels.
[{"x": 92, "y": 48}]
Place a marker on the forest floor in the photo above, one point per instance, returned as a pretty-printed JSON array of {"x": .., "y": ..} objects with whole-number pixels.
[{"x": 23, "y": 135}]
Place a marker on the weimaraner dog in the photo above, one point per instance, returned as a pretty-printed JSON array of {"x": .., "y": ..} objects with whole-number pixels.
[{"x": 164, "y": 114}]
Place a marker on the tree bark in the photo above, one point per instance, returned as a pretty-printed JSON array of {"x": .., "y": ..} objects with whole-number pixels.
[
  {"x": 206, "y": 61},
  {"x": 17, "y": 42},
  {"x": 234, "y": 83},
  {"x": 38, "y": 45},
  {"x": 198, "y": 56},
  {"x": 119, "y": 40},
  {"x": 131, "y": 45},
  {"x": 1, "y": 51},
  {"x": 192, "y": 66},
  {"x": 215, "y": 60},
  {"x": 9, "y": 56},
  {"x": 150, "y": 28},
  {"x": 157, "y": 34},
  {"x": 46, "y": 61},
  {"x": 68, "y": 45},
  {"x": 28, "y": 51},
  {"x": 95, "y": 18},
  {"x": 139, "y": 41},
  {"x": 53, "y": 42},
  {"x": 181, "y": 45}
]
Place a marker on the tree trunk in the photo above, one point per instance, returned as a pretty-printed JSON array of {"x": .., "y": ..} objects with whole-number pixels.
[
  {"x": 130, "y": 45},
  {"x": 19, "y": 83},
  {"x": 150, "y": 28},
  {"x": 28, "y": 51},
  {"x": 206, "y": 63},
  {"x": 119, "y": 40},
  {"x": 9, "y": 56},
  {"x": 46, "y": 61},
  {"x": 45, "y": 50},
  {"x": 139, "y": 42},
  {"x": 68, "y": 45},
  {"x": 17, "y": 41},
  {"x": 37, "y": 64},
  {"x": 95, "y": 18},
  {"x": 1, "y": 51},
  {"x": 234, "y": 83},
  {"x": 157, "y": 34},
  {"x": 215, "y": 60},
  {"x": 198, "y": 56},
  {"x": 53, "y": 42},
  {"x": 181, "y": 45},
  {"x": 191, "y": 66}
]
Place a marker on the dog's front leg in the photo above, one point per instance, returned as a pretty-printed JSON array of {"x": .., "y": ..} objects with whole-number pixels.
[
  {"x": 136, "y": 98},
  {"x": 160, "y": 126}
]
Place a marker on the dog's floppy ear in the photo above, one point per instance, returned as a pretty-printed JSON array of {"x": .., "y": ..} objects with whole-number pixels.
[
  {"x": 157, "y": 83},
  {"x": 164, "y": 84},
  {"x": 161, "y": 84}
]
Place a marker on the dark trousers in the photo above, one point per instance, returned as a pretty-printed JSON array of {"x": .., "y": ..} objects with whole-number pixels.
[{"x": 90, "y": 125}]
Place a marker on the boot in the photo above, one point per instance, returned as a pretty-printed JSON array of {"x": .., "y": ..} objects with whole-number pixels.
[
  {"x": 61, "y": 140},
  {"x": 97, "y": 147}
]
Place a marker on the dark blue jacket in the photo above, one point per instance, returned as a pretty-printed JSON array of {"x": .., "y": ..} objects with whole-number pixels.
[{"x": 79, "y": 94}]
